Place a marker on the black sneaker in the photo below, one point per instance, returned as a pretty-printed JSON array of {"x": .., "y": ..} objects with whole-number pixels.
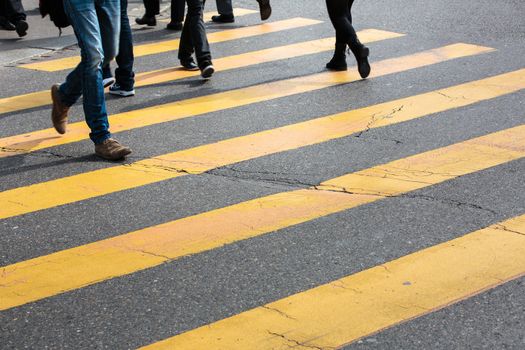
[
  {"x": 149, "y": 21},
  {"x": 189, "y": 64},
  {"x": 265, "y": 9},
  {"x": 207, "y": 70},
  {"x": 223, "y": 19},
  {"x": 117, "y": 90},
  {"x": 6, "y": 25},
  {"x": 21, "y": 28},
  {"x": 173, "y": 25}
]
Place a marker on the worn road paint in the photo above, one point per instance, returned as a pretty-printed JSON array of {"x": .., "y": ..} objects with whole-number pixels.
[
  {"x": 42, "y": 98},
  {"x": 172, "y": 45},
  {"x": 75, "y": 268},
  {"x": 340, "y": 312},
  {"x": 41, "y": 139}
]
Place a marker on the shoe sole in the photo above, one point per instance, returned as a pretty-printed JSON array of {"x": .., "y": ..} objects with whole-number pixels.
[
  {"x": 207, "y": 72},
  {"x": 108, "y": 82},
  {"x": 120, "y": 156},
  {"x": 337, "y": 69},
  {"x": 122, "y": 93}
]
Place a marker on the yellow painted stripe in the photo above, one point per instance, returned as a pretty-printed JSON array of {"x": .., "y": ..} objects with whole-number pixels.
[
  {"x": 340, "y": 312},
  {"x": 41, "y": 98},
  {"x": 172, "y": 45},
  {"x": 196, "y": 160},
  {"x": 74, "y": 268},
  {"x": 41, "y": 139},
  {"x": 207, "y": 16}
]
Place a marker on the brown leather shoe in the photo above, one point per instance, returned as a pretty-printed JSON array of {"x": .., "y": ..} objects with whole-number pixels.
[
  {"x": 265, "y": 9},
  {"x": 59, "y": 112},
  {"x": 111, "y": 149}
]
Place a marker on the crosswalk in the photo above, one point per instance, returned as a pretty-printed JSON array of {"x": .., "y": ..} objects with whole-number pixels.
[{"x": 330, "y": 315}]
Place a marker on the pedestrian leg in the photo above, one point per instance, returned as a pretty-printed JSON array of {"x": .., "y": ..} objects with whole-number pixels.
[
  {"x": 177, "y": 14},
  {"x": 339, "y": 12},
  {"x": 15, "y": 14},
  {"x": 152, "y": 9}
]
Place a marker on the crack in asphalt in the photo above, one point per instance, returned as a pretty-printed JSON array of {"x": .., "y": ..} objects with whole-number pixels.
[
  {"x": 298, "y": 343},
  {"x": 506, "y": 229},
  {"x": 279, "y": 312}
]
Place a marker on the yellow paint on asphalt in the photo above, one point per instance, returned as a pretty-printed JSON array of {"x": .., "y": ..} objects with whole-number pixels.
[
  {"x": 196, "y": 160},
  {"x": 338, "y": 313},
  {"x": 32, "y": 141},
  {"x": 207, "y": 15},
  {"x": 75, "y": 268},
  {"x": 42, "y": 98},
  {"x": 172, "y": 45}
]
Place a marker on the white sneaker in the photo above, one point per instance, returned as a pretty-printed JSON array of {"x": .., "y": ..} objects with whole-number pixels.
[{"x": 108, "y": 82}]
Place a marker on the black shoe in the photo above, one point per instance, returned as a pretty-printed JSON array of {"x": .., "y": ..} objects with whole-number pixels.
[
  {"x": 6, "y": 25},
  {"x": 189, "y": 64},
  {"x": 361, "y": 55},
  {"x": 338, "y": 61},
  {"x": 207, "y": 70},
  {"x": 149, "y": 21},
  {"x": 21, "y": 28},
  {"x": 265, "y": 9},
  {"x": 223, "y": 19},
  {"x": 174, "y": 25}
]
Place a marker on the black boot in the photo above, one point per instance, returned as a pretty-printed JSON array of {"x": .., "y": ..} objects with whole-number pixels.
[
  {"x": 146, "y": 20},
  {"x": 338, "y": 62},
  {"x": 361, "y": 53}
]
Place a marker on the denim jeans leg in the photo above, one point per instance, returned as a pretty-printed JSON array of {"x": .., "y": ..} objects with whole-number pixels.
[
  {"x": 87, "y": 18},
  {"x": 193, "y": 35},
  {"x": 124, "y": 73}
]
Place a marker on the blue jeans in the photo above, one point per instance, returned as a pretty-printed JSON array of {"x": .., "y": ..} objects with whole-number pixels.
[
  {"x": 124, "y": 73},
  {"x": 97, "y": 28}
]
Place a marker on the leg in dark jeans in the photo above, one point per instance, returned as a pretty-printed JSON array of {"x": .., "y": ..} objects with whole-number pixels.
[
  {"x": 125, "y": 77},
  {"x": 152, "y": 7},
  {"x": 177, "y": 10},
  {"x": 14, "y": 11},
  {"x": 193, "y": 37}
]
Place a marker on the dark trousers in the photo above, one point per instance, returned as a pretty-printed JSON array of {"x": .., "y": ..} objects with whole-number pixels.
[
  {"x": 12, "y": 10},
  {"x": 340, "y": 12},
  {"x": 177, "y": 10},
  {"x": 193, "y": 37},
  {"x": 124, "y": 74},
  {"x": 152, "y": 7}
]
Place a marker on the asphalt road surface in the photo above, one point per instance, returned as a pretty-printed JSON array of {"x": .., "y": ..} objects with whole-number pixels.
[{"x": 276, "y": 205}]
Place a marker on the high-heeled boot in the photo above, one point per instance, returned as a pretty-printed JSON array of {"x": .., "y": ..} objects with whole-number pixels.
[{"x": 338, "y": 62}]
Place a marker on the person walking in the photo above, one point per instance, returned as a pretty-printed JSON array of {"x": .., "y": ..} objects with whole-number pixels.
[
  {"x": 340, "y": 12},
  {"x": 124, "y": 81},
  {"x": 193, "y": 39},
  {"x": 96, "y": 24},
  {"x": 225, "y": 9},
  {"x": 13, "y": 17}
]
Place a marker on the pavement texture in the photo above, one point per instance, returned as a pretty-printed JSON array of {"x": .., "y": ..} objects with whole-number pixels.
[{"x": 147, "y": 306}]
